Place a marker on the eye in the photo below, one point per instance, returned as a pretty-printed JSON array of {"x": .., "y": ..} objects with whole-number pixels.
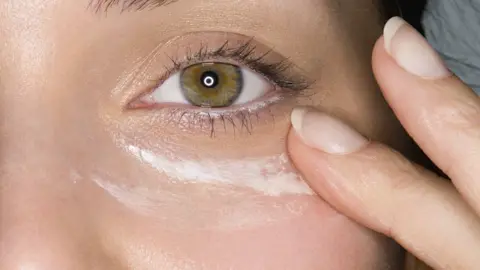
[{"x": 211, "y": 85}]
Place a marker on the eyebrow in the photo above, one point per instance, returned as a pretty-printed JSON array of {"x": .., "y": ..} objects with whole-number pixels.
[{"x": 127, "y": 5}]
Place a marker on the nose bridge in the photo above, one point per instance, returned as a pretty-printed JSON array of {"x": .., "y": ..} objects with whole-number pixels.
[
  {"x": 27, "y": 54},
  {"x": 44, "y": 219},
  {"x": 42, "y": 222}
]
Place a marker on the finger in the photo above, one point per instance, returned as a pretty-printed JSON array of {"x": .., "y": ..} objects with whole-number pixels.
[
  {"x": 382, "y": 190},
  {"x": 440, "y": 112},
  {"x": 412, "y": 263}
]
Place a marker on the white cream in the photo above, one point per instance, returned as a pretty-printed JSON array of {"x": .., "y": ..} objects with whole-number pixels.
[
  {"x": 190, "y": 211},
  {"x": 270, "y": 175}
]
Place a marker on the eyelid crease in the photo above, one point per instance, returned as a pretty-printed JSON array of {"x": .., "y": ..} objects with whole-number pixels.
[
  {"x": 287, "y": 80},
  {"x": 127, "y": 5},
  {"x": 275, "y": 72}
]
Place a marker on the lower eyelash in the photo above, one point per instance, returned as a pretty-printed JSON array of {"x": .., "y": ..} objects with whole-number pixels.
[
  {"x": 287, "y": 82},
  {"x": 241, "y": 120}
]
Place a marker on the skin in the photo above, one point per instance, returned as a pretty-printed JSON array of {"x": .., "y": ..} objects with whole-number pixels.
[
  {"x": 435, "y": 218},
  {"x": 65, "y": 126}
]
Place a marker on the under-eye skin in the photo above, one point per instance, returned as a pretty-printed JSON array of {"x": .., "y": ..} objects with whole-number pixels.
[{"x": 230, "y": 84}]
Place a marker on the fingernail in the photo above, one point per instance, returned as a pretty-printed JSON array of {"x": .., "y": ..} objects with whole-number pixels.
[
  {"x": 411, "y": 50},
  {"x": 325, "y": 133}
]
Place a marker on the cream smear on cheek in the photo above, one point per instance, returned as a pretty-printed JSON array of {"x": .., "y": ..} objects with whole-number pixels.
[
  {"x": 231, "y": 194},
  {"x": 184, "y": 211},
  {"x": 271, "y": 175}
]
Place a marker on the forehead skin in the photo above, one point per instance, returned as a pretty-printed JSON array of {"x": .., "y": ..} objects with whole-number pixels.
[{"x": 65, "y": 125}]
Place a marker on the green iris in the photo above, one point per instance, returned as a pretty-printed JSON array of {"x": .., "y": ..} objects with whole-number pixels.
[{"x": 211, "y": 85}]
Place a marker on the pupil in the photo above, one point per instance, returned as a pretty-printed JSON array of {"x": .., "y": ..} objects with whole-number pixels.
[{"x": 209, "y": 79}]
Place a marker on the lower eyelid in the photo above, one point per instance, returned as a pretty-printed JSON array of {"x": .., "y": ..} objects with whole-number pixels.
[
  {"x": 210, "y": 122},
  {"x": 215, "y": 133},
  {"x": 229, "y": 121},
  {"x": 183, "y": 119},
  {"x": 222, "y": 122},
  {"x": 179, "y": 52}
]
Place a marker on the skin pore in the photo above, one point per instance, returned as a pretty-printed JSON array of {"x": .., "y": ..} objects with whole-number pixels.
[{"x": 73, "y": 195}]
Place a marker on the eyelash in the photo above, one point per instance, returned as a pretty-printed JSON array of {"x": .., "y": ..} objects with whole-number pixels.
[{"x": 276, "y": 73}]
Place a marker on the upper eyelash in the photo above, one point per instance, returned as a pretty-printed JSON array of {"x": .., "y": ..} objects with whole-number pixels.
[
  {"x": 279, "y": 73},
  {"x": 275, "y": 72},
  {"x": 126, "y": 5}
]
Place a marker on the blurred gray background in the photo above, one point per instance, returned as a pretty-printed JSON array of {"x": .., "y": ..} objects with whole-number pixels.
[{"x": 453, "y": 28}]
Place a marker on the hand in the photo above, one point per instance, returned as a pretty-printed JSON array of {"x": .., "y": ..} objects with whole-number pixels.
[{"x": 435, "y": 219}]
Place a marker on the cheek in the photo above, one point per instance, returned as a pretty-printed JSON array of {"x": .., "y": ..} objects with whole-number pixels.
[
  {"x": 217, "y": 228},
  {"x": 148, "y": 221}
]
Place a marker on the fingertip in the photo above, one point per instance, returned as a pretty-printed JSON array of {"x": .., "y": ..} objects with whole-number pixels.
[
  {"x": 307, "y": 161},
  {"x": 389, "y": 31},
  {"x": 297, "y": 118},
  {"x": 296, "y": 147},
  {"x": 326, "y": 133},
  {"x": 412, "y": 52}
]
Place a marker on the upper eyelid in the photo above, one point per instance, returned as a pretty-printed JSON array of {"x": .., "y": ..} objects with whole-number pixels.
[
  {"x": 171, "y": 55},
  {"x": 127, "y": 5},
  {"x": 241, "y": 53},
  {"x": 211, "y": 46},
  {"x": 275, "y": 71}
]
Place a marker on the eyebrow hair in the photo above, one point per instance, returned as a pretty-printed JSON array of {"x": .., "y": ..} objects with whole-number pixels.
[{"x": 127, "y": 5}]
